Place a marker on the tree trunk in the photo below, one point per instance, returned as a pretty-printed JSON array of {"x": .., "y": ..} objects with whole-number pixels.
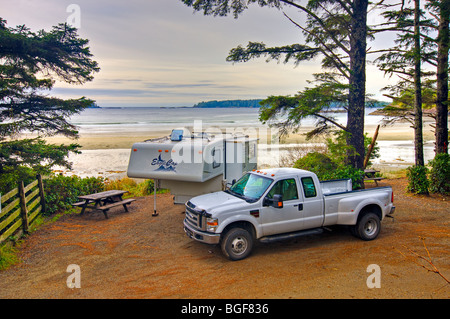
[
  {"x": 357, "y": 92},
  {"x": 418, "y": 125},
  {"x": 442, "y": 79}
]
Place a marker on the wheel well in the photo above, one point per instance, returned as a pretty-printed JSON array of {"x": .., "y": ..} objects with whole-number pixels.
[
  {"x": 241, "y": 224},
  {"x": 372, "y": 208}
]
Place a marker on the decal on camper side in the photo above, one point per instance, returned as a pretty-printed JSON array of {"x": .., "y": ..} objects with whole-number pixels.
[{"x": 167, "y": 166}]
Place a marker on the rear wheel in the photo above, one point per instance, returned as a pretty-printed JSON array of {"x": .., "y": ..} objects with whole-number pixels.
[
  {"x": 237, "y": 244},
  {"x": 368, "y": 227}
]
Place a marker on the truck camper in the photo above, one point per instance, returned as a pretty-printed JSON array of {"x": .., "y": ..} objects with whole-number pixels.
[{"x": 190, "y": 164}]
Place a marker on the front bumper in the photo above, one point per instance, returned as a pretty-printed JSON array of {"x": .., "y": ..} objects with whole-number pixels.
[{"x": 204, "y": 237}]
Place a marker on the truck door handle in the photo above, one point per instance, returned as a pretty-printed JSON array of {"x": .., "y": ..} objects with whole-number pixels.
[{"x": 299, "y": 206}]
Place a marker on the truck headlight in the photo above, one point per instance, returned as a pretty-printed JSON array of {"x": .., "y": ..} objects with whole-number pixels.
[{"x": 211, "y": 224}]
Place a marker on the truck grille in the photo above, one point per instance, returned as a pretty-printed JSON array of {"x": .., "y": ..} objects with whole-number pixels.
[{"x": 194, "y": 217}]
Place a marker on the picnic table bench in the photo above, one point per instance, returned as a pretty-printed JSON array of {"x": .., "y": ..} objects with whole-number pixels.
[
  {"x": 103, "y": 201},
  {"x": 369, "y": 175}
]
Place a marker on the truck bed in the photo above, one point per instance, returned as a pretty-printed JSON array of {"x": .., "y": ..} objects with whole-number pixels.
[
  {"x": 336, "y": 186},
  {"x": 340, "y": 207}
]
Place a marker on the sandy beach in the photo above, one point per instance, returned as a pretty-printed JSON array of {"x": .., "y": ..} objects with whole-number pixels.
[{"x": 106, "y": 154}]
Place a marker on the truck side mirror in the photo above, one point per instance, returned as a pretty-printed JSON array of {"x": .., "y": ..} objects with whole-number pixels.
[
  {"x": 233, "y": 182},
  {"x": 277, "y": 201}
]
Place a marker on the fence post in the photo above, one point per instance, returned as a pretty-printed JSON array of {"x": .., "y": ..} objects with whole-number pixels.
[
  {"x": 23, "y": 207},
  {"x": 41, "y": 192}
]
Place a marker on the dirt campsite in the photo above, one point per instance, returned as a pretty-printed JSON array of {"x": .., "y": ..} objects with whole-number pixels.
[{"x": 135, "y": 255}]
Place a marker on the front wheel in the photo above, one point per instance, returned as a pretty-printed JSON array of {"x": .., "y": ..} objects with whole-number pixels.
[
  {"x": 237, "y": 244},
  {"x": 368, "y": 227}
]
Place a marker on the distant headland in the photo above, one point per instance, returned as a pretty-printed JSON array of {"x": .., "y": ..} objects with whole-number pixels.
[
  {"x": 93, "y": 106},
  {"x": 229, "y": 103},
  {"x": 255, "y": 104}
]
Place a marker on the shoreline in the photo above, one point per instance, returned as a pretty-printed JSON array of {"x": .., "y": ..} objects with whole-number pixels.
[{"x": 107, "y": 154}]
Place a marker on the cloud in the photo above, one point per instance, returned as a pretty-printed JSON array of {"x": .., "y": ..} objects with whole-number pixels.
[{"x": 159, "y": 52}]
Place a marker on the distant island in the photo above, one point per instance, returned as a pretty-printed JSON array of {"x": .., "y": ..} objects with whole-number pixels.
[
  {"x": 255, "y": 104},
  {"x": 229, "y": 103},
  {"x": 93, "y": 106}
]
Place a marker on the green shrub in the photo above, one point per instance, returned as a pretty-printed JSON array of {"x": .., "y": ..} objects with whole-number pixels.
[
  {"x": 62, "y": 191},
  {"x": 347, "y": 171},
  {"x": 339, "y": 149},
  {"x": 318, "y": 163},
  {"x": 332, "y": 164},
  {"x": 127, "y": 184},
  {"x": 440, "y": 174},
  {"x": 10, "y": 177},
  {"x": 417, "y": 179},
  {"x": 327, "y": 169}
]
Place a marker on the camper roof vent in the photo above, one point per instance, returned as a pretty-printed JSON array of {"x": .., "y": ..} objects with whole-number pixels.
[{"x": 176, "y": 136}]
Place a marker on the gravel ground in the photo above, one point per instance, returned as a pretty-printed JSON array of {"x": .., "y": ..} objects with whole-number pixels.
[{"x": 135, "y": 255}]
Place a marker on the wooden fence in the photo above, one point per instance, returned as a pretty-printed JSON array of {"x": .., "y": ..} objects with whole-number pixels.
[{"x": 20, "y": 207}]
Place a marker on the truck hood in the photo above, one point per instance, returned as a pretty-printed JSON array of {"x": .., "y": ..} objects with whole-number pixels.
[{"x": 218, "y": 201}]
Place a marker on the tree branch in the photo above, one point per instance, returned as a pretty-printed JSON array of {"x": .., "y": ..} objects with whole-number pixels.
[
  {"x": 331, "y": 121},
  {"x": 257, "y": 49},
  {"x": 320, "y": 22},
  {"x": 433, "y": 267},
  {"x": 341, "y": 66}
]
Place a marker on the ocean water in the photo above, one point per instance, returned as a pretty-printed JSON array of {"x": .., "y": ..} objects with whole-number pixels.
[
  {"x": 136, "y": 119},
  {"x": 128, "y": 119}
]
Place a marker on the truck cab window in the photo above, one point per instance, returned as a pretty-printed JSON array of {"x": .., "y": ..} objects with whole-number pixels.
[
  {"x": 251, "y": 186},
  {"x": 286, "y": 188},
  {"x": 309, "y": 187}
]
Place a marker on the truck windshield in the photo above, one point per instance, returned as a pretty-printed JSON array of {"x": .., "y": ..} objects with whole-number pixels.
[{"x": 250, "y": 187}]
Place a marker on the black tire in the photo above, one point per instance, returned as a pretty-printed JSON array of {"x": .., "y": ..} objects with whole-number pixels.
[
  {"x": 368, "y": 227},
  {"x": 353, "y": 230},
  {"x": 237, "y": 244}
]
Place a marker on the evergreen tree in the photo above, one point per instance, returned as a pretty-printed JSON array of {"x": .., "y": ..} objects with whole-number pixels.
[
  {"x": 335, "y": 30},
  {"x": 30, "y": 64},
  {"x": 413, "y": 47},
  {"x": 433, "y": 36},
  {"x": 440, "y": 9}
]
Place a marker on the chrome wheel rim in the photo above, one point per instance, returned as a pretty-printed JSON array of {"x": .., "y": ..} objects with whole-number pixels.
[
  {"x": 370, "y": 227},
  {"x": 239, "y": 245}
]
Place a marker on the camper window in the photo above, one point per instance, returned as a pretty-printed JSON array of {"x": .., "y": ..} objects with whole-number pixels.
[{"x": 216, "y": 157}]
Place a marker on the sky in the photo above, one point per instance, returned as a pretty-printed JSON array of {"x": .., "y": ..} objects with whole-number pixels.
[{"x": 160, "y": 53}]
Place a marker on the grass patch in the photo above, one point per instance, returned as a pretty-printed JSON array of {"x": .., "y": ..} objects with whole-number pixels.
[
  {"x": 395, "y": 174},
  {"x": 134, "y": 188},
  {"x": 8, "y": 256}
]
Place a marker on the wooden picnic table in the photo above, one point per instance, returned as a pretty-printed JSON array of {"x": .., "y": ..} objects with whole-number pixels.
[
  {"x": 369, "y": 175},
  {"x": 103, "y": 201}
]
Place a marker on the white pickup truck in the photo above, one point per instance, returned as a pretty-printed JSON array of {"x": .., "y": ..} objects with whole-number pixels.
[{"x": 273, "y": 204}]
